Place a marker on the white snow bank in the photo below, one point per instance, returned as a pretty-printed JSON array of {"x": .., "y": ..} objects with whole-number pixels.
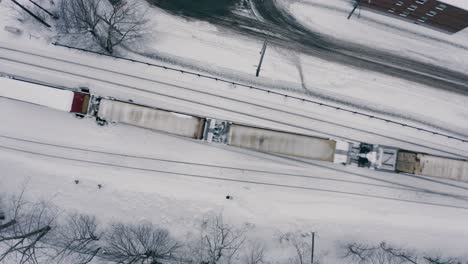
[{"x": 36, "y": 94}]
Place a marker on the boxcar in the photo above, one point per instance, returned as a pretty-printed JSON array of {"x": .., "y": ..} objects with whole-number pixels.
[
  {"x": 272, "y": 141},
  {"x": 151, "y": 118},
  {"x": 428, "y": 165}
]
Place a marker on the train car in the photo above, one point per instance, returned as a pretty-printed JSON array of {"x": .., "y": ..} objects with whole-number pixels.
[
  {"x": 151, "y": 118},
  {"x": 429, "y": 165},
  {"x": 266, "y": 140},
  {"x": 221, "y": 131},
  {"x": 378, "y": 157},
  {"x": 71, "y": 101},
  {"x": 276, "y": 142},
  {"x": 403, "y": 161}
]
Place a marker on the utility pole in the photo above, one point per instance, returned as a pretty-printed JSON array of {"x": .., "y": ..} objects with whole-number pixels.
[
  {"x": 262, "y": 52},
  {"x": 31, "y": 13},
  {"x": 312, "y": 249},
  {"x": 357, "y": 3}
]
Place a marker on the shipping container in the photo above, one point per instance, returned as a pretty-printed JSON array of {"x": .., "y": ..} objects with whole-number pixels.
[
  {"x": 151, "y": 118},
  {"x": 36, "y": 94},
  {"x": 428, "y": 165},
  {"x": 278, "y": 142}
]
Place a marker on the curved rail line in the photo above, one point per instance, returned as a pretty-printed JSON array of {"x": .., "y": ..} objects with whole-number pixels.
[
  {"x": 219, "y": 96},
  {"x": 199, "y": 176},
  {"x": 270, "y": 92},
  {"x": 296, "y": 175}
]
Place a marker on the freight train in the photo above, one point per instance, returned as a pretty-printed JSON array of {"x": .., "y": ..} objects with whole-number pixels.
[{"x": 108, "y": 110}]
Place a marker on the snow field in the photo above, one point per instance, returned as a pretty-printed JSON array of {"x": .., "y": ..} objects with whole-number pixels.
[{"x": 177, "y": 201}]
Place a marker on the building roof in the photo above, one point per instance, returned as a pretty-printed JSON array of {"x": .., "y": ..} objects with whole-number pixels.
[
  {"x": 436, "y": 14},
  {"x": 463, "y": 4}
]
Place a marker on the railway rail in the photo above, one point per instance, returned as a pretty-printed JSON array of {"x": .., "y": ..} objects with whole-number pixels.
[
  {"x": 391, "y": 184},
  {"x": 253, "y": 137},
  {"x": 268, "y": 91},
  {"x": 226, "y": 179},
  {"x": 250, "y": 104}
]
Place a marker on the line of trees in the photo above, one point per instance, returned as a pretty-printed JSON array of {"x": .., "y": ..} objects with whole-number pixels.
[
  {"x": 384, "y": 253},
  {"x": 37, "y": 233}
]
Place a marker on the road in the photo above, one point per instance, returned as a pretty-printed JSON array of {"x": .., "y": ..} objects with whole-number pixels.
[{"x": 280, "y": 28}]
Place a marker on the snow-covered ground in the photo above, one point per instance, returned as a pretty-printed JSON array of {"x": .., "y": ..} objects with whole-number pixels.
[
  {"x": 379, "y": 31},
  {"x": 200, "y": 44},
  {"x": 340, "y": 203},
  {"x": 176, "y": 195}
]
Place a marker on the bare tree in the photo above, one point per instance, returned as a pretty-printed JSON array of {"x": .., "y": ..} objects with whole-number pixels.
[
  {"x": 109, "y": 23},
  {"x": 142, "y": 243},
  {"x": 386, "y": 254},
  {"x": 255, "y": 253},
  {"x": 301, "y": 245},
  {"x": 124, "y": 23},
  {"x": 25, "y": 227},
  {"x": 382, "y": 254},
  {"x": 357, "y": 252},
  {"x": 76, "y": 240},
  {"x": 398, "y": 253},
  {"x": 79, "y": 17},
  {"x": 218, "y": 242},
  {"x": 441, "y": 260}
]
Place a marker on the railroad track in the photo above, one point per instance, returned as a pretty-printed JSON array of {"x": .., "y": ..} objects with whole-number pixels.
[
  {"x": 165, "y": 173},
  {"x": 301, "y": 99},
  {"x": 221, "y": 106},
  {"x": 391, "y": 184}
]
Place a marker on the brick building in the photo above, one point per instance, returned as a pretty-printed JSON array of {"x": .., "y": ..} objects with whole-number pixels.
[{"x": 431, "y": 13}]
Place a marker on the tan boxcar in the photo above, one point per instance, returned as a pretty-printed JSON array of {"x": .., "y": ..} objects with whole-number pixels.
[
  {"x": 271, "y": 141},
  {"x": 151, "y": 118},
  {"x": 427, "y": 165}
]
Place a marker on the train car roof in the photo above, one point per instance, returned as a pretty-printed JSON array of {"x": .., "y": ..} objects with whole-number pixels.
[{"x": 36, "y": 94}]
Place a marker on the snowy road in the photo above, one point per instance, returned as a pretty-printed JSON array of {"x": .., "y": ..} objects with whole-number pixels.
[
  {"x": 279, "y": 27},
  {"x": 223, "y": 102}
]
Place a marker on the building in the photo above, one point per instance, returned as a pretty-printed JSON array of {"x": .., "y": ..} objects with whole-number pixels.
[{"x": 437, "y": 15}]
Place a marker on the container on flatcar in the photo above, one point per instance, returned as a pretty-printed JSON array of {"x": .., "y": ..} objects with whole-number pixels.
[
  {"x": 279, "y": 142},
  {"x": 428, "y": 165},
  {"x": 36, "y": 94},
  {"x": 151, "y": 118}
]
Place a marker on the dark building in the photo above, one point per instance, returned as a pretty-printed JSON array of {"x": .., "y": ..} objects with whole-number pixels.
[{"x": 431, "y": 13}]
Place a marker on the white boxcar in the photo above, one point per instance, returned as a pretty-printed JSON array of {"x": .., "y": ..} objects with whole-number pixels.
[
  {"x": 36, "y": 94},
  {"x": 271, "y": 141},
  {"x": 151, "y": 118},
  {"x": 427, "y": 165},
  {"x": 442, "y": 167}
]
